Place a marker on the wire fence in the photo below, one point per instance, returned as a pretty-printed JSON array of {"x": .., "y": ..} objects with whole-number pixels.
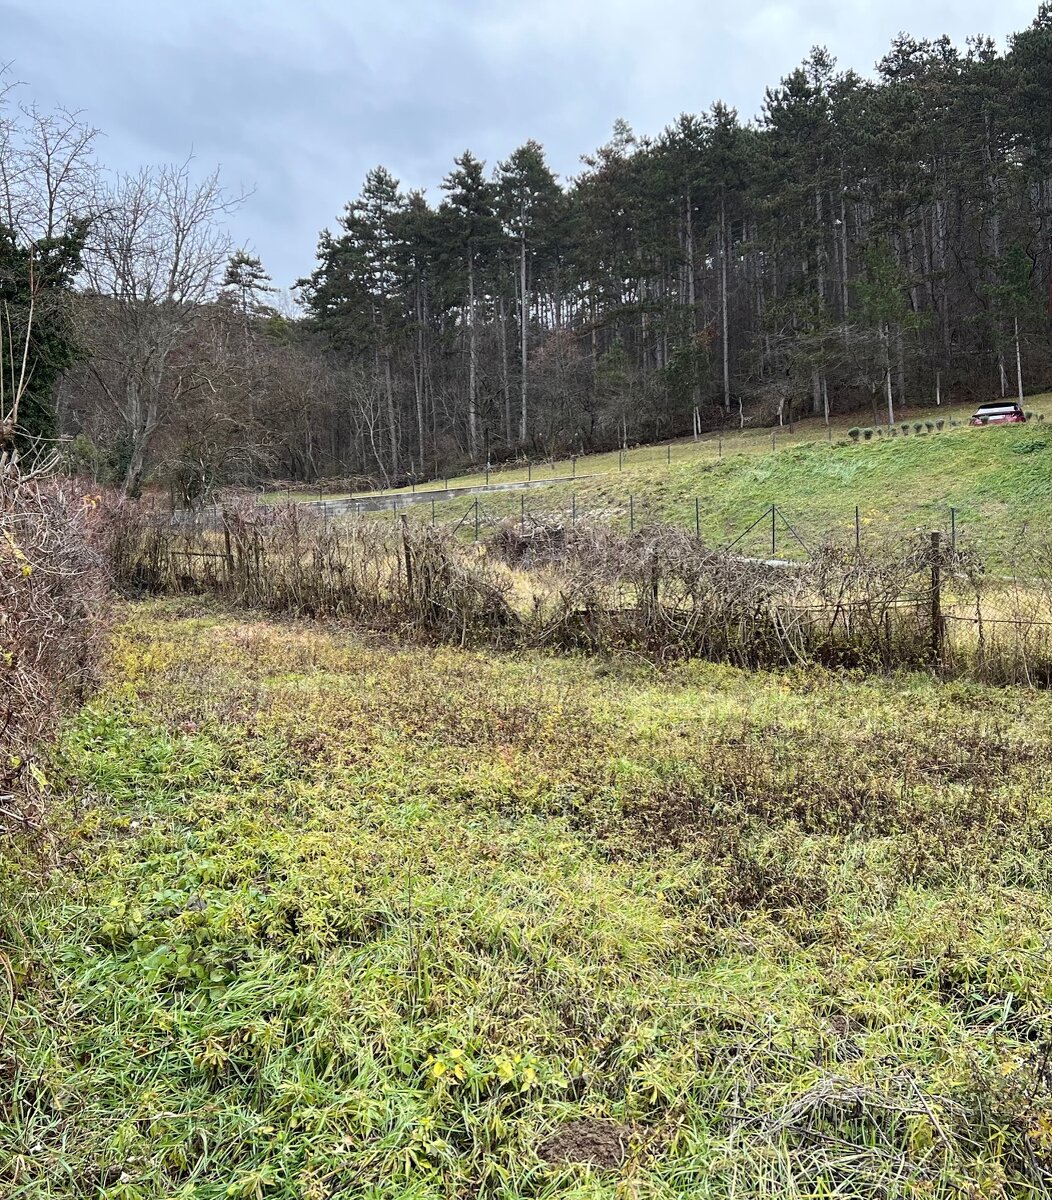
[
  {"x": 704, "y": 450},
  {"x": 771, "y": 532}
]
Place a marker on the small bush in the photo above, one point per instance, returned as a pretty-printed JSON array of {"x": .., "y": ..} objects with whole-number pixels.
[
  {"x": 918, "y": 427},
  {"x": 854, "y": 432},
  {"x": 867, "y": 433},
  {"x": 940, "y": 423}
]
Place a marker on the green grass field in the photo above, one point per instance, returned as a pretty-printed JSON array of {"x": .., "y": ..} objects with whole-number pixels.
[
  {"x": 999, "y": 480},
  {"x": 684, "y": 453},
  {"x": 330, "y": 917}
]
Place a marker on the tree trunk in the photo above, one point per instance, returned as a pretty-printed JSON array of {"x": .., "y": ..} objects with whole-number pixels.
[
  {"x": 392, "y": 423},
  {"x": 1018, "y": 362},
  {"x": 505, "y": 390},
  {"x": 473, "y": 437},
  {"x": 723, "y": 306},
  {"x": 885, "y": 338},
  {"x": 523, "y": 335}
]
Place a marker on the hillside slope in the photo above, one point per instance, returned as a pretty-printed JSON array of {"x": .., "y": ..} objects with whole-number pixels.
[{"x": 998, "y": 480}]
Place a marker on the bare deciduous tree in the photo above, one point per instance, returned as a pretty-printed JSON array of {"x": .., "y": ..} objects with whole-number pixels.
[{"x": 152, "y": 262}]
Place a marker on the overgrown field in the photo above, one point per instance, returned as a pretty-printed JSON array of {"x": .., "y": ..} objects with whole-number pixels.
[{"x": 332, "y": 918}]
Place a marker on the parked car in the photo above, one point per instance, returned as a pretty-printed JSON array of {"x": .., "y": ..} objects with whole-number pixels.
[{"x": 1001, "y": 413}]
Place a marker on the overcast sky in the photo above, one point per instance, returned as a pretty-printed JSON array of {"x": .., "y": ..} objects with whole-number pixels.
[{"x": 298, "y": 99}]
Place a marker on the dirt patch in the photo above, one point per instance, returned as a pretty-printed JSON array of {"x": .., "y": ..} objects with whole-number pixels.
[{"x": 592, "y": 1140}]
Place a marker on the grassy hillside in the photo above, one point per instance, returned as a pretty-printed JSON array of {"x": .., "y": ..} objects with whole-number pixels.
[
  {"x": 708, "y": 449},
  {"x": 997, "y": 478},
  {"x": 334, "y": 919}
]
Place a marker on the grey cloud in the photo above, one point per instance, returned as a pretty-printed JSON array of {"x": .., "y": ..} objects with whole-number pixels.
[{"x": 298, "y": 100}]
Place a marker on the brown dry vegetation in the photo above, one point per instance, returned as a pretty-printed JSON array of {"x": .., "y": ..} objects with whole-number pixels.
[
  {"x": 658, "y": 591},
  {"x": 52, "y": 607}
]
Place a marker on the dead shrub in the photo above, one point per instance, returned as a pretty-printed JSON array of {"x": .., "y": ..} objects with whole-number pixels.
[{"x": 52, "y": 615}]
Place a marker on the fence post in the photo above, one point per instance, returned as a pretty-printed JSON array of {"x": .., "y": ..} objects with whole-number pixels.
[
  {"x": 487, "y": 474},
  {"x": 721, "y": 445},
  {"x": 573, "y": 466},
  {"x": 668, "y": 455},
  {"x": 476, "y": 518},
  {"x": 620, "y": 459},
  {"x": 697, "y": 517},
  {"x": 772, "y": 439},
  {"x": 631, "y": 516},
  {"x": 408, "y": 556},
  {"x": 858, "y": 531},
  {"x": 522, "y": 513},
  {"x": 432, "y": 510},
  {"x": 529, "y": 471},
  {"x": 936, "y": 599},
  {"x": 774, "y": 530}
]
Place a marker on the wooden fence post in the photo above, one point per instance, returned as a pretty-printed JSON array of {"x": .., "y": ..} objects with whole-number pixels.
[
  {"x": 408, "y": 557},
  {"x": 937, "y": 626}
]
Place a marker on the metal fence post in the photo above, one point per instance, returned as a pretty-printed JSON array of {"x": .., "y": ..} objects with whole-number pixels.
[
  {"x": 774, "y": 533},
  {"x": 529, "y": 472},
  {"x": 432, "y": 510},
  {"x": 631, "y": 516},
  {"x": 620, "y": 460},
  {"x": 476, "y": 518},
  {"x": 772, "y": 439},
  {"x": 697, "y": 517},
  {"x": 668, "y": 455},
  {"x": 522, "y": 513}
]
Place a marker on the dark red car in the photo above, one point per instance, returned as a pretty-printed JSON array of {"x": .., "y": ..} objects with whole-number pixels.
[{"x": 1002, "y": 413}]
